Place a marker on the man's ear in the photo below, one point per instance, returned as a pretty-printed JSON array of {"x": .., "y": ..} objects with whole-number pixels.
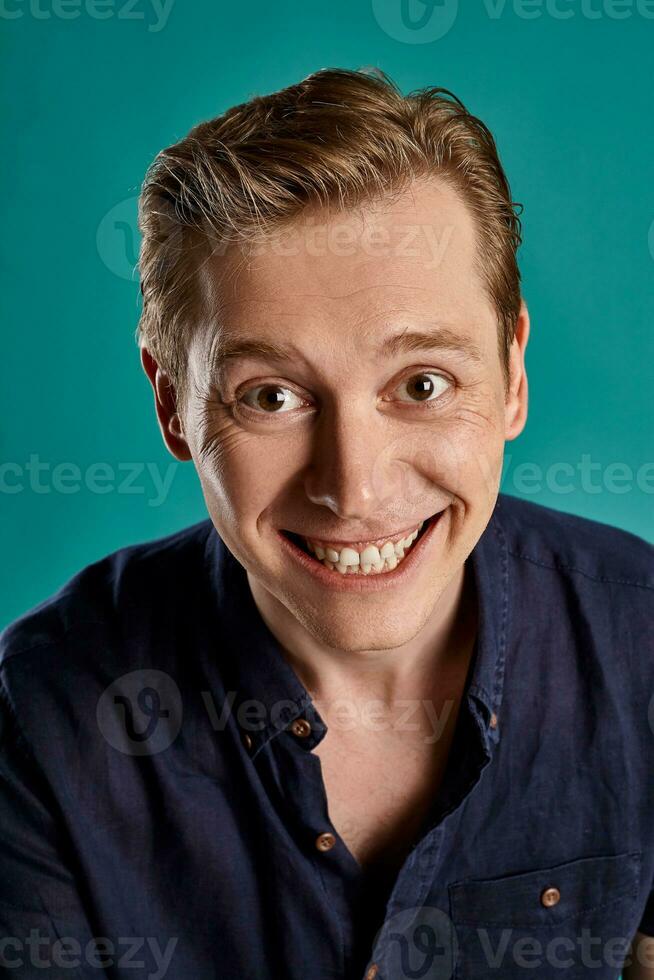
[
  {"x": 165, "y": 401},
  {"x": 516, "y": 400}
]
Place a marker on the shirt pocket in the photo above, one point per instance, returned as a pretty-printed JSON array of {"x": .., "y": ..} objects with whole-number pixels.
[{"x": 573, "y": 920}]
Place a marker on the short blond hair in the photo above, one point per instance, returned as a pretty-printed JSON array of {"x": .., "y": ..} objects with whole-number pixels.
[{"x": 338, "y": 137}]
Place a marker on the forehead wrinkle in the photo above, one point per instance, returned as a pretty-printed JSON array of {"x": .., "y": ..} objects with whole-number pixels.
[
  {"x": 383, "y": 284},
  {"x": 437, "y": 337}
]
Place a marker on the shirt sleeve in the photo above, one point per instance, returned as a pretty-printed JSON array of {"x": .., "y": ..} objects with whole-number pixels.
[{"x": 44, "y": 930}]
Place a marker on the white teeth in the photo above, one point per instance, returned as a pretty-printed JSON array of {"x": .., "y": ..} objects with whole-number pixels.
[
  {"x": 371, "y": 559},
  {"x": 408, "y": 541},
  {"x": 370, "y": 555},
  {"x": 350, "y": 557}
]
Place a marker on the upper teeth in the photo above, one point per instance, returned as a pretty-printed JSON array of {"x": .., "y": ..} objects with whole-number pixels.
[{"x": 369, "y": 557}]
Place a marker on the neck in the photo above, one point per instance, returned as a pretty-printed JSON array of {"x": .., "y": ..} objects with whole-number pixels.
[{"x": 434, "y": 654}]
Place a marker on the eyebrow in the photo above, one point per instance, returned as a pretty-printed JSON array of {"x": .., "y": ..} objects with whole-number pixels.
[
  {"x": 438, "y": 338},
  {"x": 408, "y": 341}
]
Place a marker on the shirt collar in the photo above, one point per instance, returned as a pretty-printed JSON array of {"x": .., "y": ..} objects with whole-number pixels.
[
  {"x": 267, "y": 693},
  {"x": 490, "y": 564}
]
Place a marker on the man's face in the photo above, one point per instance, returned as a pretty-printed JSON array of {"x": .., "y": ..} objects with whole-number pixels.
[{"x": 357, "y": 429}]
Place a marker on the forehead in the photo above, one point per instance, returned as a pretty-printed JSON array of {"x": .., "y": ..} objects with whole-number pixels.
[{"x": 343, "y": 277}]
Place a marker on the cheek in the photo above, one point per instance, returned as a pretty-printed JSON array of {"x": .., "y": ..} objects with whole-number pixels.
[
  {"x": 462, "y": 455},
  {"x": 479, "y": 462},
  {"x": 241, "y": 472}
]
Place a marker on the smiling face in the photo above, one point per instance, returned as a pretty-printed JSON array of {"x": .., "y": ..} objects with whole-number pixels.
[{"x": 352, "y": 390}]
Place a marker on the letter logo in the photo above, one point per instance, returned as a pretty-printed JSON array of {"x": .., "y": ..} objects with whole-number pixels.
[
  {"x": 140, "y": 713},
  {"x": 117, "y": 239},
  {"x": 415, "y": 21},
  {"x": 417, "y": 944}
]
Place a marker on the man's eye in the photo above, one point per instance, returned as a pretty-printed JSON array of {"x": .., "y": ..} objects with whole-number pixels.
[
  {"x": 425, "y": 387},
  {"x": 271, "y": 399}
]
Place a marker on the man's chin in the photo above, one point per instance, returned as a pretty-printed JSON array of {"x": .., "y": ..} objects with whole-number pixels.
[
  {"x": 345, "y": 621},
  {"x": 357, "y": 630}
]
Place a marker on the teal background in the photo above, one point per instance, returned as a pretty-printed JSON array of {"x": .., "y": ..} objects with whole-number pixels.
[{"x": 88, "y": 103}]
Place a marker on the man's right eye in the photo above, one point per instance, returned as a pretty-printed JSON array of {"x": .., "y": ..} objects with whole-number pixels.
[{"x": 271, "y": 399}]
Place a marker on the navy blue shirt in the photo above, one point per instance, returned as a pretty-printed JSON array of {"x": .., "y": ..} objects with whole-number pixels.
[{"x": 162, "y": 815}]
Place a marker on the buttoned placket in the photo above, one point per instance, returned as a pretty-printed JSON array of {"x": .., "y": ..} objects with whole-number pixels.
[
  {"x": 283, "y": 754},
  {"x": 420, "y": 870},
  {"x": 289, "y": 742}
]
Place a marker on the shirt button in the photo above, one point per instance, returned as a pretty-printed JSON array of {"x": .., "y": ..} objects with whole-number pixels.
[
  {"x": 372, "y": 971},
  {"x": 493, "y": 720},
  {"x": 247, "y": 741},
  {"x": 550, "y": 897},
  {"x": 301, "y": 727},
  {"x": 325, "y": 842}
]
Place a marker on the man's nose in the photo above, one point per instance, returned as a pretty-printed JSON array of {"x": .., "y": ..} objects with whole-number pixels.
[{"x": 345, "y": 469}]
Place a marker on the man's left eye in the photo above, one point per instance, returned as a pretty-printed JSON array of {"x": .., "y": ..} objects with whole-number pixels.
[{"x": 425, "y": 387}]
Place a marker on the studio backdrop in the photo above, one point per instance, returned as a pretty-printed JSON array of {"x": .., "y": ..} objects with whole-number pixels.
[{"x": 93, "y": 89}]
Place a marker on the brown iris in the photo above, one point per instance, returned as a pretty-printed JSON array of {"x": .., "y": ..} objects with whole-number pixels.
[
  {"x": 271, "y": 398},
  {"x": 420, "y": 387}
]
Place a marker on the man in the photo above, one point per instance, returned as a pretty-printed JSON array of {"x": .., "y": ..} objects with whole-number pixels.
[{"x": 373, "y": 718}]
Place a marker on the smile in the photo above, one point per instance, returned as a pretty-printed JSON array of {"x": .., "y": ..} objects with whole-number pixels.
[
  {"x": 359, "y": 564},
  {"x": 366, "y": 559}
]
